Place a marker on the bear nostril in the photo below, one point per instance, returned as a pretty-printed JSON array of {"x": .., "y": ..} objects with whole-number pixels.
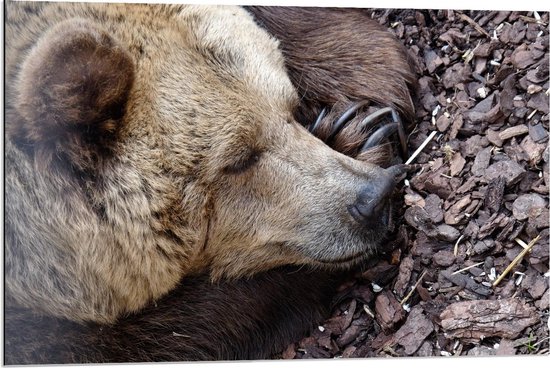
[
  {"x": 372, "y": 200},
  {"x": 372, "y": 211}
]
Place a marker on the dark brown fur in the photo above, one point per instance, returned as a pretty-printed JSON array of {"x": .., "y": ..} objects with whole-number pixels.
[
  {"x": 339, "y": 55},
  {"x": 246, "y": 319}
]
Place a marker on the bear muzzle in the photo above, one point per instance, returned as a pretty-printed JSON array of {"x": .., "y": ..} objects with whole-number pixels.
[{"x": 373, "y": 199}]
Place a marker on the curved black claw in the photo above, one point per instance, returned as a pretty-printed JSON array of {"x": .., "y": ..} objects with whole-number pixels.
[
  {"x": 313, "y": 128},
  {"x": 401, "y": 134},
  {"x": 371, "y": 119},
  {"x": 366, "y": 124},
  {"x": 399, "y": 171},
  {"x": 345, "y": 117},
  {"x": 383, "y": 132}
]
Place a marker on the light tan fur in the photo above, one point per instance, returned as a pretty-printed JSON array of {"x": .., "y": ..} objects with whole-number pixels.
[{"x": 206, "y": 169}]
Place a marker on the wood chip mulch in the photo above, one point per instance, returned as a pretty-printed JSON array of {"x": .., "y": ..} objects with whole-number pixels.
[{"x": 479, "y": 200}]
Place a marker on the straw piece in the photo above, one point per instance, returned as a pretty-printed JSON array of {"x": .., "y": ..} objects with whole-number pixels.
[
  {"x": 516, "y": 260},
  {"x": 419, "y": 149},
  {"x": 474, "y": 24},
  {"x": 467, "y": 268},
  {"x": 414, "y": 288}
]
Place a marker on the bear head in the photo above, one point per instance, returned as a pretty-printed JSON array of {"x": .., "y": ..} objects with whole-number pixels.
[{"x": 148, "y": 143}]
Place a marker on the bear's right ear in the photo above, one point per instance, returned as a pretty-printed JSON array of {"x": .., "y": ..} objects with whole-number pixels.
[{"x": 72, "y": 92}]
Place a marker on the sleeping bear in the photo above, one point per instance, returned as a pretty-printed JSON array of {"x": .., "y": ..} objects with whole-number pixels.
[{"x": 164, "y": 197}]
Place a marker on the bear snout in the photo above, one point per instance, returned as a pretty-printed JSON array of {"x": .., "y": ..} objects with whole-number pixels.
[
  {"x": 373, "y": 198},
  {"x": 369, "y": 207}
]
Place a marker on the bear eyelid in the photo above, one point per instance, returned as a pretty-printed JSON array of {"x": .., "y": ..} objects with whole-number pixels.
[{"x": 242, "y": 165}]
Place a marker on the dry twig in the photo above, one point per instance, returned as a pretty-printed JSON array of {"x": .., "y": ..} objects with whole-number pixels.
[
  {"x": 456, "y": 245},
  {"x": 516, "y": 260},
  {"x": 467, "y": 268},
  {"x": 521, "y": 242},
  {"x": 413, "y": 288},
  {"x": 474, "y": 24},
  {"x": 419, "y": 149}
]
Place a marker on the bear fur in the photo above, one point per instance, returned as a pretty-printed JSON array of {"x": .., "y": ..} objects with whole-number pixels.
[{"x": 156, "y": 154}]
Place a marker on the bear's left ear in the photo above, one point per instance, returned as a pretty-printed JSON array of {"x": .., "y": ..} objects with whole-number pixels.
[{"x": 72, "y": 93}]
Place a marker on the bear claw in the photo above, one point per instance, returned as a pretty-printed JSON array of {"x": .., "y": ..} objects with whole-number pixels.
[
  {"x": 376, "y": 137},
  {"x": 313, "y": 128},
  {"x": 337, "y": 127}
]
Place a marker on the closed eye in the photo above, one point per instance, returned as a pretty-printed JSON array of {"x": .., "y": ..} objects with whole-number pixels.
[{"x": 244, "y": 164}]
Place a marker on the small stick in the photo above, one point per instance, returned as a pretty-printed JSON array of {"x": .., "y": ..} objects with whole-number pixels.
[
  {"x": 531, "y": 114},
  {"x": 414, "y": 288},
  {"x": 521, "y": 242},
  {"x": 456, "y": 245},
  {"x": 543, "y": 340},
  {"x": 419, "y": 149},
  {"x": 474, "y": 24},
  {"x": 467, "y": 268},
  {"x": 516, "y": 260},
  {"x": 368, "y": 311},
  {"x": 532, "y": 20}
]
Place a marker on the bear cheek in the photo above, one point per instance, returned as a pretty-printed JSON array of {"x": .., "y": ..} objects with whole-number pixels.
[
  {"x": 240, "y": 238},
  {"x": 237, "y": 258}
]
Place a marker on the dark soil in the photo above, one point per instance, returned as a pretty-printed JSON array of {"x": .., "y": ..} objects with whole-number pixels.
[{"x": 479, "y": 199}]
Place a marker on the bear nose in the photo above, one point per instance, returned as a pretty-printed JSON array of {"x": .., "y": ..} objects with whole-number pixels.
[{"x": 373, "y": 198}]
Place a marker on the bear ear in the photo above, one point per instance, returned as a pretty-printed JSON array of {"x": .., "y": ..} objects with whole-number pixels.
[{"x": 72, "y": 93}]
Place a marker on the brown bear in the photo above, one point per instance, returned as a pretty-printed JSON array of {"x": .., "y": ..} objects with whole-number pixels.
[{"x": 158, "y": 173}]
